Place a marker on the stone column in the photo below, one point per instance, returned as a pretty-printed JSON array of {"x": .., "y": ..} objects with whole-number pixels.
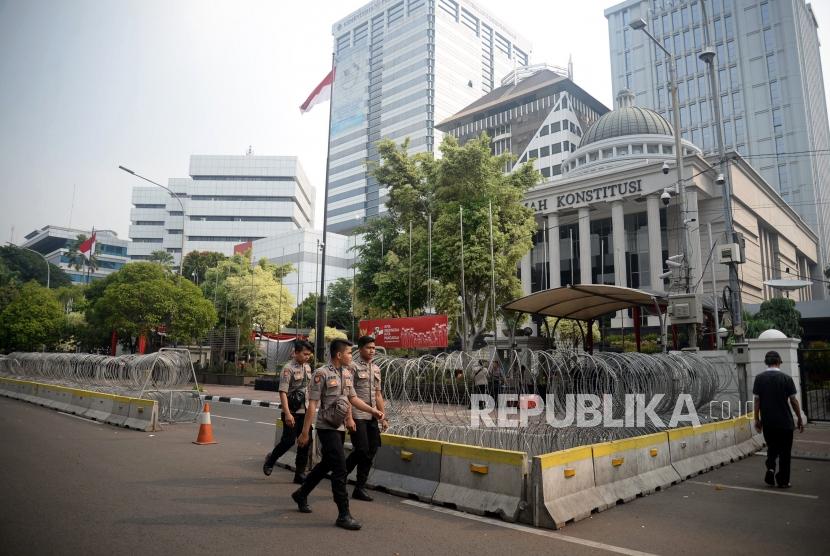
[
  {"x": 553, "y": 250},
  {"x": 584, "y": 246},
  {"x": 525, "y": 272},
  {"x": 655, "y": 242},
  {"x": 618, "y": 235}
]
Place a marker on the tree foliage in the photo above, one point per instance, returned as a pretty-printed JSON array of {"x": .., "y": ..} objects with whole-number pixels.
[
  {"x": 18, "y": 266},
  {"x": 163, "y": 258},
  {"x": 778, "y": 313},
  {"x": 78, "y": 260},
  {"x": 141, "y": 297},
  {"x": 305, "y": 315},
  {"x": 467, "y": 178},
  {"x": 31, "y": 320},
  {"x": 197, "y": 263}
]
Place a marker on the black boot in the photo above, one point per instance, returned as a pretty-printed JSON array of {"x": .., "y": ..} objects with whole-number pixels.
[
  {"x": 299, "y": 478},
  {"x": 346, "y": 521},
  {"x": 266, "y": 467},
  {"x": 302, "y": 502},
  {"x": 361, "y": 494}
]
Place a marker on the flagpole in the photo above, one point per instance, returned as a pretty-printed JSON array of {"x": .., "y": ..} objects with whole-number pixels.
[{"x": 320, "y": 340}]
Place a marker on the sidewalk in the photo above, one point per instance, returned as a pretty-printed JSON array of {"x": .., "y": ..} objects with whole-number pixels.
[{"x": 243, "y": 395}]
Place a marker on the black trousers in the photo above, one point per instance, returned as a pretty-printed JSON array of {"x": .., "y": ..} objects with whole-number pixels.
[
  {"x": 779, "y": 446},
  {"x": 288, "y": 438},
  {"x": 365, "y": 444},
  {"x": 334, "y": 460},
  {"x": 480, "y": 389}
]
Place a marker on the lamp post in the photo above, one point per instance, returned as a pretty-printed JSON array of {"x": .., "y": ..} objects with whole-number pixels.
[
  {"x": 640, "y": 25},
  {"x": 184, "y": 216},
  {"x": 42, "y": 256}
]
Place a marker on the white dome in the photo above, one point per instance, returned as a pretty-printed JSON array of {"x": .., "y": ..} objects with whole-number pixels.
[{"x": 772, "y": 334}]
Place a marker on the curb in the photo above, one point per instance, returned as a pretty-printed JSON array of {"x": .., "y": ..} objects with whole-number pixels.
[{"x": 238, "y": 401}]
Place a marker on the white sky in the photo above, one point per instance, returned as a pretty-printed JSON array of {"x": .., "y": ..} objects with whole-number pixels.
[{"x": 86, "y": 85}]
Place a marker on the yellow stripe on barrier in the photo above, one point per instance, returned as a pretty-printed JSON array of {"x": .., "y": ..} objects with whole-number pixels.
[
  {"x": 565, "y": 456},
  {"x": 684, "y": 432},
  {"x": 491, "y": 455},
  {"x": 414, "y": 444},
  {"x": 614, "y": 446},
  {"x": 82, "y": 393}
]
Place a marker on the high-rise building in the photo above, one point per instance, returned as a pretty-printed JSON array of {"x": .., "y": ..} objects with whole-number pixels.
[
  {"x": 226, "y": 201},
  {"x": 402, "y": 66},
  {"x": 538, "y": 114},
  {"x": 53, "y": 242},
  {"x": 771, "y": 87}
]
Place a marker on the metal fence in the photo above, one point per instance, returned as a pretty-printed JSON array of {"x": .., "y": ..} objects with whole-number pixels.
[
  {"x": 814, "y": 369},
  {"x": 166, "y": 376},
  {"x": 429, "y": 396}
]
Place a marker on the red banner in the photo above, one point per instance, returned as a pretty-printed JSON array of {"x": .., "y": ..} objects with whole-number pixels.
[
  {"x": 241, "y": 248},
  {"x": 410, "y": 332}
]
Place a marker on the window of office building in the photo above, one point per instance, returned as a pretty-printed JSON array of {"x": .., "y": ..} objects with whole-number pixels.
[
  {"x": 637, "y": 250},
  {"x": 569, "y": 255},
  {"x": 544, "y": 151},
  {"x": 602, "y": 252}
]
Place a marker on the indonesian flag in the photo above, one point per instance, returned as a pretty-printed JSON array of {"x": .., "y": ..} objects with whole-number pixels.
[
  {"x": 87, "y": 247},
  {"x": 321, "y": 93}
]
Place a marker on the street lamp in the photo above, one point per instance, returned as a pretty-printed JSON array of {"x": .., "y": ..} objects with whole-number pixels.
[
  {"x": 640, "y": 25},
  {"x": 42, "y": 256},
  {"x": 184, "y": 216}
]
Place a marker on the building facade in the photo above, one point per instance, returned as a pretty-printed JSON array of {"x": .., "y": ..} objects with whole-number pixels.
[
  {"x": 607, "y": 220},
  {"x": 771, "y": 86},
  {"x": 402, "y": 66},
  {"x": 540, "y": 116},
  {"x": 227, "y": 200},
  {"x": 53, "y": 242},
  {"x": 301, "y": 248}
]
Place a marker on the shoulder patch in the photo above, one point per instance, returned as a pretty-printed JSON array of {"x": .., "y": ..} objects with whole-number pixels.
[{"x": 316, "y": 379}]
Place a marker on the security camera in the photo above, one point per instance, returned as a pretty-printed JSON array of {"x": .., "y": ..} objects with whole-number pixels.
[
  {"x": 664, "y": 275},
  {"x": 720, "y": 180},
  {"x": 665, "y": 197},
  {"x": 673, "y": 264},
  {"x": 665, "y": 167}
]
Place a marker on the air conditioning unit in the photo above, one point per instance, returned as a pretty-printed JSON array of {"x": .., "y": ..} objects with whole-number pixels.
[
  {"x": 730, "y": 253},
  {"x": 685, "y": 309}
]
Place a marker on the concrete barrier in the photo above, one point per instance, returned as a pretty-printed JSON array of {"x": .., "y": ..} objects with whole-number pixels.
[
  {"x": 143, "y": 416},
  {"x": 745, "y": 442},
  {"x": 133, "y": 413},
  {"x": 407, "y": 467},
  {"x": 483, "y": 480},
  {"x": 631, "y": 467},
  {"x": 563, "y": 488},
  {"x": 697, "y": 450}
]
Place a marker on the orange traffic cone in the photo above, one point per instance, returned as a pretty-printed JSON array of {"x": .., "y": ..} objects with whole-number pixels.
[{"x": 205, "y": 428}]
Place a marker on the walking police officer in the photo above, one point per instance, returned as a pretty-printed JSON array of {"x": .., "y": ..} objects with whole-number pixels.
[
  {"x": 366, "y": 436},
  {"x": 294, "y": 382},
  {"x": 333, "y": 391}
]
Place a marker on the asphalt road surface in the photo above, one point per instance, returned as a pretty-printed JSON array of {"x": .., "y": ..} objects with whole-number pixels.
[{"x": 72, "y": 486}]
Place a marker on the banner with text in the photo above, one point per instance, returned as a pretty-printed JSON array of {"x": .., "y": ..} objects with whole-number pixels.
[{"x": 409, "y": 332}]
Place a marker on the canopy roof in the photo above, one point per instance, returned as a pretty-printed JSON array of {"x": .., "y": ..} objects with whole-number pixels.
[{"x": 582, "y": 301}]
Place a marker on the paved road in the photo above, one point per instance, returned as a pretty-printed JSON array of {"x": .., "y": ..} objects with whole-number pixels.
[{"x": 71, "y": 486}]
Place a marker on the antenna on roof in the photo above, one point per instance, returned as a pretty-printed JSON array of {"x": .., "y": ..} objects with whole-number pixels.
[{"x": 250, "y": 151}]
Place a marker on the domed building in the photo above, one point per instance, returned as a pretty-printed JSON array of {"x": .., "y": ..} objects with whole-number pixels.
[{"x": 608, "y": 209}]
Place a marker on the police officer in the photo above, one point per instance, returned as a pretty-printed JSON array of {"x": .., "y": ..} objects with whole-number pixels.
[
  {"x": 333, "y": 391},
  {"x": 295, "y": 379},
  {"x": 366, "y": 436}
]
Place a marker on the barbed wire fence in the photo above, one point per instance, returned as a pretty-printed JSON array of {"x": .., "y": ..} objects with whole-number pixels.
[
  {"x": 166, "y": 376},
  {"x": 429, "y": 396}
]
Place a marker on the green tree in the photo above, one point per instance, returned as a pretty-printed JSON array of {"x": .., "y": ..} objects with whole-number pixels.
[
  {"x": 141, "y": 297},
  {"x": 197, "y": 263},
  {"x": 163, "y": 258},
  {"x": 33, "y": 319},
  {"x": 19, "y": 266},
  {"x": 781, "y": 313},
  {"x": 78, "y": 260},
  {"x": 466, "y": 177},
  {"x": 263, "y": 300},
  {"x": 339, "y": 304},
  {"x": 305, "y": 314}
]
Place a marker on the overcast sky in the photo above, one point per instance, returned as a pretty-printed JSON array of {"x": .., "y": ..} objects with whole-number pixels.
[{"x": 86, "y": 85}]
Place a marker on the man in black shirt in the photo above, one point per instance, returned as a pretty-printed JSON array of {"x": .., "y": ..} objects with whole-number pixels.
[{"x": 772, "y": 390}]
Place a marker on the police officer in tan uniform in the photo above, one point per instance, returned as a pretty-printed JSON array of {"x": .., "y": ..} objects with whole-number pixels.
[
  {"x": 333, "y": 391},
  {"x": 366, "y": 436},
  {"x": 295, "y": 379}
]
